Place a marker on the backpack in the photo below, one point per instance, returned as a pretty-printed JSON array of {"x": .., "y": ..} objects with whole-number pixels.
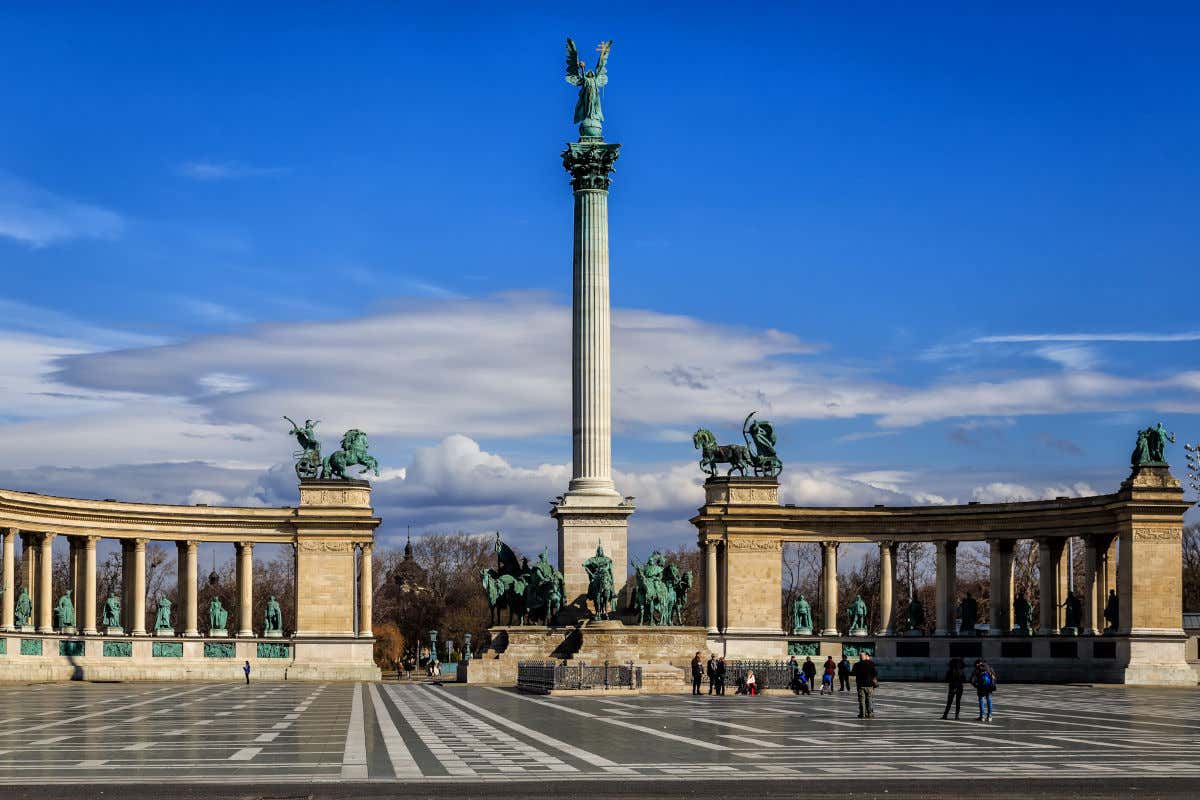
[{"x": 987, "y": 683}]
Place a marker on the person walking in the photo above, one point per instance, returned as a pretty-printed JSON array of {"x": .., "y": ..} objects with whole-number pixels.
[
  {"x": 983, "y": 678},
  {"x": 697, "y": 673},
  {"x": 954, "y": 687},
  {"x": 710, "y": 669},
  {"x": 827, "y": 673},
  {"x": 843, "y": 671},
  {"x": 866, "y": 680},
  {"x": 721, "y": 675},
  {"x": 810, "y": 673},
  {"x": 794, "y": 675},
  {"x": 246, "y": 669}
]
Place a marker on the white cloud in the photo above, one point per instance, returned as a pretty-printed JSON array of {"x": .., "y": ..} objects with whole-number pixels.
[
  {"x": 38, "y": 218},
  {"x": 1070, "y": 356},
  {"x": 1001, "y": 492},
  {"x": 226, "y": 170},
  {"x": 1186, "y": 336}
]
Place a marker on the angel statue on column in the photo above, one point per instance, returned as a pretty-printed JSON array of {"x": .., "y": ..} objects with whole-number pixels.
[{"x": 587, "y": 110}]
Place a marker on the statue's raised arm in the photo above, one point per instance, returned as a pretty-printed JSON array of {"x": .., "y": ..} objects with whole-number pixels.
[{"x": 602, "y": 63}]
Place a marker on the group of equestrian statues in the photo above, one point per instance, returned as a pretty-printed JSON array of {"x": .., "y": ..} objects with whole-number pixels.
[{"x": 534, "y": 594}]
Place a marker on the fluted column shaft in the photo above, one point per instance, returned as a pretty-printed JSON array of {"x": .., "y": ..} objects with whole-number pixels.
[
  {"x": 1000, "y": 597},
  {"x": 87, "y": 604},
  {"x": 710, "y": 586},
  {"x": 139, "y": 587},
  {"x": 45, "y": 585},
  {"x": 366, "y": 590},
  {"x": 8, "y": 598},
  {"x": 592, "y": 359},
  {"x": 190, "y": 591},
  {"x": 887, "y": 586},
  {"x": 829, "y": 589},
  {"x": 245, "y": 580}
]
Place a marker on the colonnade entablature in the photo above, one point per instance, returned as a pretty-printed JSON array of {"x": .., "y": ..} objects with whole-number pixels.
[
  {"x": 331, "y": 532},
  {"x": 742, "y": 528}
]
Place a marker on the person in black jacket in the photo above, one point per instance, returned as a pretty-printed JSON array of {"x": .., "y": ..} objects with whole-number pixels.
[
  {"x": 697, "y": 673},
  {"x": 844, "y": 674},
  {"x": 721, "y": 675},
  {"x": 710, "y": 669},
  {"x": 810, "y": 671},
  {"x": 866, "y": 679},
  {"x": 954, "y": 687}
]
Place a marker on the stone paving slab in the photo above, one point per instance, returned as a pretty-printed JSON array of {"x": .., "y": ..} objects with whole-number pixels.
[{"x": 331, "y": 733}]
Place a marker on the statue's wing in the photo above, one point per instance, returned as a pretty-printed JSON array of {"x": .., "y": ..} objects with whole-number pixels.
[
  {"x": 601, "y": 64},
  {"x": 573, "y": 76}
]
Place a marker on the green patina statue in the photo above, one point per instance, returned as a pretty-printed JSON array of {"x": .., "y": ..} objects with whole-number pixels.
[
  {"x": 758, "y": 453},
  {"x": 1073, "y": 611},
  {"x": 916, "y": 614},
  {"x": 353, "y": 452},
  {"x": 660, "y": 591},
  {"x": 1022, "y": 615},
  {"x": 588, "y": 114},
  {"x": 110, "y": 614},
  {"x": 64, "y": 612},
  {"x": 1150, "y": 450},
  {"x": 856, "y": 614},
  {"x": 600, "y": 583},
  {"x": 968, "y": 614},
  {"x": 801, "y": 616},
  {"x": 24, "y": 607},
  {"x": 1112, "y": 610},
  {"x": 308, "y": 457},
  {"x": 217, "y": 615},
  {"x": 544, "y": 591},
  {"x": 273, "y": 616},
  {"x": 529, "y": 593},
  {"x": 162, "y": 620}
]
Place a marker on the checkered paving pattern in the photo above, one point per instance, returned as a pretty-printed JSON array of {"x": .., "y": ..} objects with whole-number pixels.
[{"x": 92, "y": 733}]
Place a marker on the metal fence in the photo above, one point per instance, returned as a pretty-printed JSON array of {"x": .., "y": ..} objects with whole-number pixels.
[
  {"x": 767, "y": 674},
  {"x": 541, "y": 677}
]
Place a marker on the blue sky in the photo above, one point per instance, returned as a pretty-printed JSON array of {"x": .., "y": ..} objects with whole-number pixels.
[{"x": 953, "y": 255}]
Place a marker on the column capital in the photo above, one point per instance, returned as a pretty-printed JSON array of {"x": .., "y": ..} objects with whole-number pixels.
[
  {"x": 47, "y": 536},
  {"x": 590, "y": 164},
  {"x": 244, "y": 546},
  {"x": 91, "y": 539},
  {"x": 366, "y": 546},
  {"x": 139, "y": 544},
  {"x": 830, "y": 544}
]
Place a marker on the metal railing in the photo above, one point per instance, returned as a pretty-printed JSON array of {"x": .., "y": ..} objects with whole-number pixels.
[
  {"x": 767, "y": 674},
  {"x": 542, "y": 677}
]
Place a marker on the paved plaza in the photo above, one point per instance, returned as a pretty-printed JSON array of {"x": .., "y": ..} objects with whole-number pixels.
[{"x": 79, "y": 733}]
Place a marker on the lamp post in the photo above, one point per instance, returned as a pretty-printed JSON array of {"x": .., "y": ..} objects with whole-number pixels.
[{"x": 432, "y": 649}]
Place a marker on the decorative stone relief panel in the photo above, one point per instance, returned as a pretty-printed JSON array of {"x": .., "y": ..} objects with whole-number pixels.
[
  {"x": 167, "y": 650},
  {"x": 31, "y": 647},
  {"x": 274, "y": 650},
  {"x": 118, "y": 649},
  {"x": 71, "y": 647},
  {"x": 220, "y": 650}
]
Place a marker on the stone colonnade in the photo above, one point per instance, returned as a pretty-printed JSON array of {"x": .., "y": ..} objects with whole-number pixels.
[
  {"x": 331, "y": 535},
  {"x": 742, "y": 528}
]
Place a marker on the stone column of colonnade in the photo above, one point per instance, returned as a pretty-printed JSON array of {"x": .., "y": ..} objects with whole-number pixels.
[
  {"x": 139, "y": 587},
  {"x": 29, "y": 572},
  {"x": 829, "y": 587},
  {"x": 1097, "y": 554},
  {"x": 366, "y": 590},
  {"x": 7, "y": 587},
  {"x": 1000, "y": 600},
  {"x": 45, "y": 611},
  {"x": 87, "y": 605},
  {"x": 887, "y": 586},
  {"x": 1050, "y": 588},
  {"x": 947, "y": 578},
  {"x": 245, "y": 582},
  {"x": 189, "y": 590},
  {"x": 710, "y": 586}
]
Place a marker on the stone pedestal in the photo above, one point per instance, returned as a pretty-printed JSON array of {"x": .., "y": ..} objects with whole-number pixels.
[
  {"x": 582, "y": 525},
  {"x": 114, "y": 630},
  {"x": 218, "y": 634},
  {"x": 273, "y": 634},
  {"x": 164, "y": 632},
  {"x": 858, "y": 631},
  {"x": 1069, "y": 632},
  {"x": 67, "y": 630},
  {"x": 802, "y": 632}
]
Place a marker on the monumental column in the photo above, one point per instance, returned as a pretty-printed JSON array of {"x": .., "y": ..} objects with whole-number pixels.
[{"x": 592, "y": 512}]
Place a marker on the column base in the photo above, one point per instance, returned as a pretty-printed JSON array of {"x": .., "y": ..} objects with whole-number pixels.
[
  {"x": 583, "y": 522},
  {"x": 90, "y": 632},
  {"x": 245, "y": 634},
  {"x": 192, "y": 632}
]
